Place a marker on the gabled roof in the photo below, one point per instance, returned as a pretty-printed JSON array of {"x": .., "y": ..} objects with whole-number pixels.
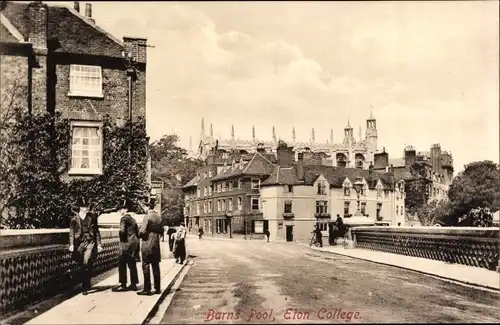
[
  {"x": 72, "y": 31},
  {"x": 334, "y": 175},
  {"x": 258, "y": 165},
  {"x": 191, "y": 183}
]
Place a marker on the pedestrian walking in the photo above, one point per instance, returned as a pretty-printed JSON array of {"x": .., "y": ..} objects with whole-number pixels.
[
  {"x": 332, "y": 231},
  {"x": 129, "y": 244},
  {"x": 200, "y": 233},
  {"x": 268, "y": 234},
  {"x": 171, "y": 237},
  {"x": 150, "y": 232},
  {"x": 180, "y": 245},
  {"x": 319, "y": 235},
  {"x": 84, "y": 235}
]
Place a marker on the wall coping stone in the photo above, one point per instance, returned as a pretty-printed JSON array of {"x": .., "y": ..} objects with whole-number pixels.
[{"x": 487, "y": 232}]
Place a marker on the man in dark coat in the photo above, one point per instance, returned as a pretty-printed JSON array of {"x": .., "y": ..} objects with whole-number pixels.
[
  {"x": 171, "y": 239},
  {"x": 84, "y": 235},
  {"x": 150, "y": 232},
  {"x": 129, "y": 249},
  {"x": 180, "y": 245}
]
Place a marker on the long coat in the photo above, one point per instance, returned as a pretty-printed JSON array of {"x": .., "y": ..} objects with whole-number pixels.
[
  {"x": 150, "y": 232},
  {"x": 76, "y": 238},
  {"x": 129, "y": 236}
]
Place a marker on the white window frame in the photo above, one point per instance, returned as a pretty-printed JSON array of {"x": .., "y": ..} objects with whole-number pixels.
[
  {"x": 230, "y": 204},
  {"x": 240, "y": 204},
  {"x": 251, "y": 203},
  {"x": 76, "y": 88},
  {"x": 258, "y": 184},
  {"x": 224, "y": 205},
  {"x": 87, "y": 171}
]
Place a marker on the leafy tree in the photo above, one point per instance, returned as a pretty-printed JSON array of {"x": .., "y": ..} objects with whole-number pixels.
[
  {"x": 435, "y": 212},
  {"x": 478, "y": 186},
  {"x": 416, "y": 194},
  {"x": 477, "y": 217},
  {"x": 171, "y": 165}
]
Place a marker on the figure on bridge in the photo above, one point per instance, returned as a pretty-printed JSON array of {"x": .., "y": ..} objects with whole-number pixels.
[
  {"x": 129, "y": 248},
  {"x": 150, "y": 232},
  {"x": 85, "y": 236}
]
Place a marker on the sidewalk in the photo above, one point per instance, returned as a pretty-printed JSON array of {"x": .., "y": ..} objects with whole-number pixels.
[
  {"x": 102, "y": 306},
  {"x": 455, "y": 272}
]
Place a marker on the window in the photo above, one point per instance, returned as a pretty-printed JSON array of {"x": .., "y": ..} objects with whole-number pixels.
[
  {"x": 210, "y": 206},
  {"x": 379, "y": 208},
  {"x": 86, "y": 148},
  {"x": 85, "y": 80},
  {"x": 219, "y": 205},
  {"x": 363, "y": 208},
  {"x": 347, "y": 191},
  {"x": 198, "y": 192},
  {"x": 255, "y": 184},
  {"x": 230, "y": 186},
  {"x": 321, "y": 188},
  {"x": 205, "y": 193},
  {"x": 288, "y": 207},
  {"x": 223, "y": 204},
  {"x": 204, "y": 207},
  {"x": 230, "y": 204},
  {"x": 323, "y": 226},
  {"x": 224, "y": 186},
  {"x": 255, "y": 203},
  {"x": 240, "y": 205},
  {"x": 321, "y": 206},
  {"x": 259, "y": 226},
  {"x": 288, "y": 188},
  {"x": 198, "y": 208},
  {"x": 209, "y": 174},
  {"x": 210, "y": 189},
  {"x": 239, "y": 184},
  {"x": 221, "y": 226},
  {"x": 346, "y": 208}
]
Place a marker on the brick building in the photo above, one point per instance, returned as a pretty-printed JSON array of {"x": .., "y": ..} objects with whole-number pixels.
[
  {"x": 224, "y": 196},
  {"x": 67, "y": 64}
]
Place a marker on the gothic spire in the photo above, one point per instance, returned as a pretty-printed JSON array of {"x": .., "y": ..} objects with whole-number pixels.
[
  {"x": 274, "y": 134},
  {"x": 253, "y": 133},
  {"x": 203, "y": 126},
  {"x": 331, "y": 136},
  {"x": 232, "y": 132},
  {"x": 211, "y": 130},
  {"x": 313, "y": 136},
  {"x": 293, "y": 134}
]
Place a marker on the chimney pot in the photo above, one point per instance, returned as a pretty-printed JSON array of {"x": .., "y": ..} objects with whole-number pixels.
[
  {"x": 88, "y": 10},
  {"x": 77, "y": 6}
]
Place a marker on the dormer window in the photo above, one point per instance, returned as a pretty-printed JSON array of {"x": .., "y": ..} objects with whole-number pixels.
[
  {"x": 85, "y": 81},
  {"x": 347, "y": 191},
  {"x": 321, "y": 188},
  {"x": 347, "y": 185},
  {"x": 380, "y": 189}
]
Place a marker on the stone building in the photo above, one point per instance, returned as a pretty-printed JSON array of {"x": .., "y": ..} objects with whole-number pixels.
[
  {"x": 224, "y": 197},
  {"x": 65, "y": 62},
  {"x": 349, "y": 152},
  {"x": 298, "y": 195}
]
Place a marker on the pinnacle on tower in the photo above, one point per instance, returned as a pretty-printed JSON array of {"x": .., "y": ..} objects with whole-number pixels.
[
  {"x": 293, "y": 133},
  {"x": 331, "y": 136},
  {"x": 211, "y": 130},
  {"x": 203, "y": 126},
  {"x": 274, "y": 134},
  {"x": 253, "y": 133},
  {"x": 232, "y": 132}
]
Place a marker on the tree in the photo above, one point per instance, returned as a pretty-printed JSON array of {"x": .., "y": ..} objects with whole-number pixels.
[
  {"x": 171, "y": 165},
  {"x": 435, "y": 212},
  {"x": 478, "y": 186}
]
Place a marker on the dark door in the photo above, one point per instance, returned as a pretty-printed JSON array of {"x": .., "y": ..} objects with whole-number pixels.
[{"x": 289, "y": 233}]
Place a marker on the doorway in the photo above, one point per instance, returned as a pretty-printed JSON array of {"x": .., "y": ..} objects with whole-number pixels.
[{"x": 289, "y": 233}]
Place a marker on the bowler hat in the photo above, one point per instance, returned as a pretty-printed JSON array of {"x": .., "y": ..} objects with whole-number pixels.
[{"x": 82, "y": 202}]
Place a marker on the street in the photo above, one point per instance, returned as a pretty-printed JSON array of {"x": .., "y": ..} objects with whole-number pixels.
[{"x": 258, "y": 282}]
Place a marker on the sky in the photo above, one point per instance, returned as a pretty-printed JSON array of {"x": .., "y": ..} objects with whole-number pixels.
[{"x": 429, "y": 71}]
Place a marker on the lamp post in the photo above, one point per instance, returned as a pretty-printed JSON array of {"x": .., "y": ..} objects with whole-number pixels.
[
  {"x": 131, "y": 71},
  {"x": 358, "y": 187}
]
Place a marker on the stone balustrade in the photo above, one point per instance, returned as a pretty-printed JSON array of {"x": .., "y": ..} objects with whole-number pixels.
[
  {"x": 36, "y": 264},
  {"x": 477, "y": 247}
]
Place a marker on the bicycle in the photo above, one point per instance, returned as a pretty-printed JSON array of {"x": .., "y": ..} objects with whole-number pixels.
[{"x": 314, "y": 241}]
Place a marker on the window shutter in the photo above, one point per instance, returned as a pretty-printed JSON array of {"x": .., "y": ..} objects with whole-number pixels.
[{"x": 253, "y": 226}]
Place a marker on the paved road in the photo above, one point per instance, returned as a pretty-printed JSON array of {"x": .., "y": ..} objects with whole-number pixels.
[{"x": 257, "y": 282}]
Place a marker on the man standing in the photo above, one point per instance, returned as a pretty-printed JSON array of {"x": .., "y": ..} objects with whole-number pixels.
[
  {"x": 150, "y": 232},
  {"x": 129, "y": 248},
  {"x": 85, "y": 236},
  {"x": 268, "y": 234},
  {"x": 319, "y": 235},
  {"x": 171, "y": 238},
  {"x": 180, "y": 245}
]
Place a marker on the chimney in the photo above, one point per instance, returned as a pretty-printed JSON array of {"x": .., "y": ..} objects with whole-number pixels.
[
  {"x": 381, "y": 160},
  {"x": 76, "y": 5},
  {"x": 285, "y": 155},
  {"x": 136, "y": 47},
  {"x": 410, "y": 156},
  {"x": 38, "y": 23},
  {"x": 88, "y": 13},
  {"x": 300, "y": 166}
]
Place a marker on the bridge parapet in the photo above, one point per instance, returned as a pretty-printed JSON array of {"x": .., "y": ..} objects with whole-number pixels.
[
  {"x": 36, "y": 264},
  {"x": 478, "y": 247}
]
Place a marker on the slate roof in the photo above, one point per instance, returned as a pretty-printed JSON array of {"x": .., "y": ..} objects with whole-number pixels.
[
  {"x": 74, "y": 33},
  {"x": 191, "y": 183},
  {"x": 258, "y": 165},
  {"x": 334, "y": 175}
]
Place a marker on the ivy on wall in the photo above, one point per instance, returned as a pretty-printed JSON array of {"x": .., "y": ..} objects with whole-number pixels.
[{"x": 44, "y": 196}]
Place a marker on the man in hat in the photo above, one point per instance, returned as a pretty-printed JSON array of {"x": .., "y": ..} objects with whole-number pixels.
[
  {"x": 129, "y": 248},
  {"x": 150, "y": 232},
  {"x": 84, "y": 235},
  {"x": 180, "y": 244}
]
